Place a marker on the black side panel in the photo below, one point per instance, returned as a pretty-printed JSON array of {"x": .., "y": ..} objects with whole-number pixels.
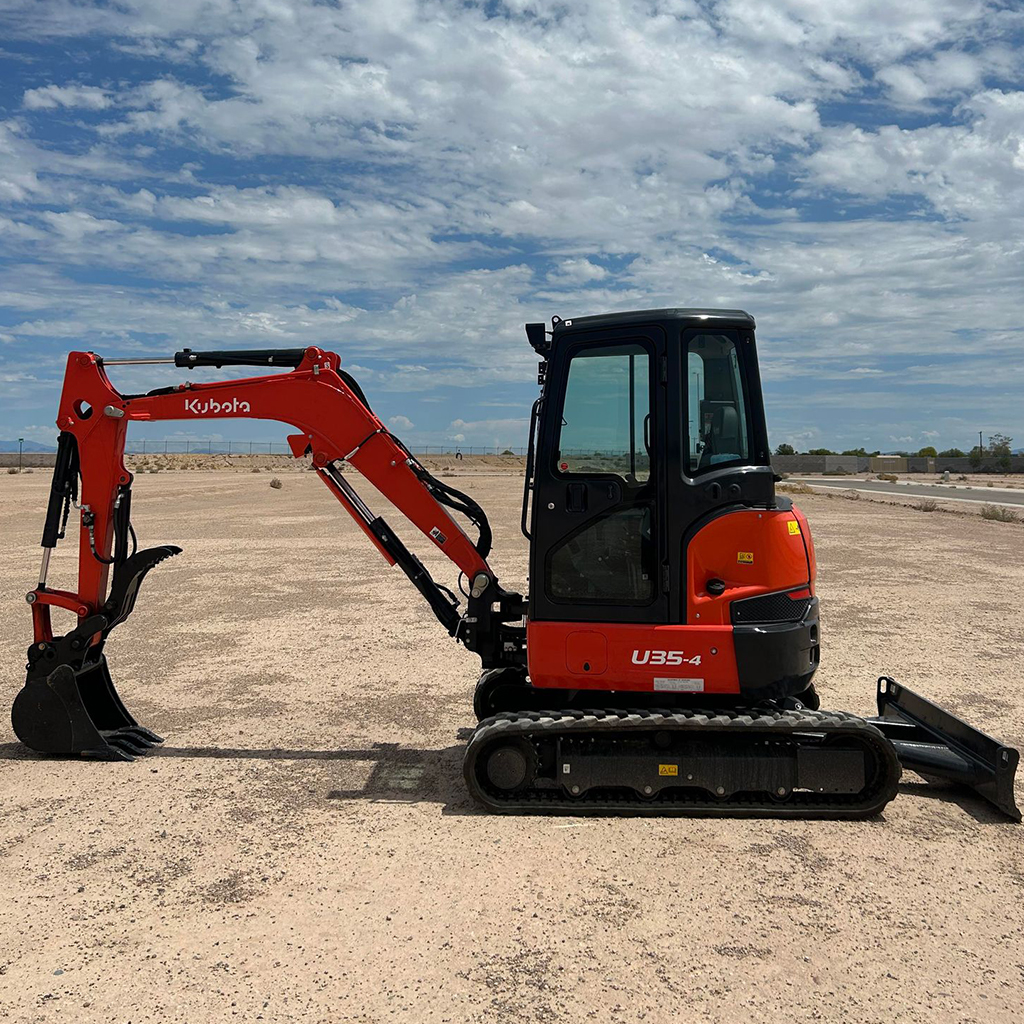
[{"x": 777, "y": 659}]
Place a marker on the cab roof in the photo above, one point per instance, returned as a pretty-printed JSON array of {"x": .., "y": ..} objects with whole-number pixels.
[{"x": 687, "y": 316}]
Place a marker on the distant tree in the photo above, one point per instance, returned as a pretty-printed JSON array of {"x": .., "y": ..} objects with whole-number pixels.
[
  {"x": 928, "y": 452},
  {"x": 855, "y": 451},
  {"x": 975, "y": 456},
  {"x": 952, "y": 453},
  {"x": 999, "y": 446},
  {"x": 820, "y": 451},
  {"x": 785, "y": 449}
]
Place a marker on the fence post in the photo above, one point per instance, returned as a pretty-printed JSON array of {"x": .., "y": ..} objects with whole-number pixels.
[{"x": 186, "y": 447}]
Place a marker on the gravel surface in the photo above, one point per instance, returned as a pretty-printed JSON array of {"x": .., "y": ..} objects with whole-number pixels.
[{"x": 302, "y": 849}]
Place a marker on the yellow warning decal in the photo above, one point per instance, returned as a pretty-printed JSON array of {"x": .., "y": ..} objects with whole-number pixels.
[
  {"x": 668, "y": 769},
  {"x": 745, "y": 557},
  {"x": 794, "y": 527}
]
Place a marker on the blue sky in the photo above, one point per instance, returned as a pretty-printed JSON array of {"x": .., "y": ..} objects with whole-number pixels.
[{"x": 409, "y": 183}]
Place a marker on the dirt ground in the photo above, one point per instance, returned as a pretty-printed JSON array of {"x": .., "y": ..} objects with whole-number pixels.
[{"x": 302, "y": 848}]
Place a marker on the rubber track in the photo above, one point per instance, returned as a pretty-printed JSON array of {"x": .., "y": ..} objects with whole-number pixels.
[{"x": 546, "y": 726}]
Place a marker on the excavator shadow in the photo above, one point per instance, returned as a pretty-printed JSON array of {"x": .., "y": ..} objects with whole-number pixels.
[{"x": 397, "y": 774}]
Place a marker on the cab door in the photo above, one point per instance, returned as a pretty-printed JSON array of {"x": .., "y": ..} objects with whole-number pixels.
[{"x": 597, "y": 553}]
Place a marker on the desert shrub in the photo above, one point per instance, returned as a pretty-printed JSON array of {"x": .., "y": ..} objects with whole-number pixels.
[
  {"x": 851, "y": 495},
  {"x": 927, "y": 505},
  {"x": 508, "y": 451},
  {"x": 797, "y": 487},
  {"x": 255, "y": 469},
  {"x": 891, "y": 478},
  {"x": 12, "y": 471},
  {"x": 276, "y": 484},
  {"x": 1000, "y": 514}
]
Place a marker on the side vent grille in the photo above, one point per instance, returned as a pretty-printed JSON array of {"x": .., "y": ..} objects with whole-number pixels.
[{"x": 780, "y": 607}]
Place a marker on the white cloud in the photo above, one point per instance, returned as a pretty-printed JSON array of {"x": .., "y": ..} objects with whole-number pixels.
[
  {"x": 401, "y": 422},
  {"x": 49, "y": 97}
]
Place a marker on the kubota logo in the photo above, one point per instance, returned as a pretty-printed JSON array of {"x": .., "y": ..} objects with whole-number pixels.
[{"x": 211, "y": 405}]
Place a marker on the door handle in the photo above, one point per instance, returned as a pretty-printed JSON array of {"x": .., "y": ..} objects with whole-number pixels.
[{"x": 576, "y": 497}]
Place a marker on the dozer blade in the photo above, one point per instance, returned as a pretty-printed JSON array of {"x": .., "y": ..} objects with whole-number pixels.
[{"x": 937, "y": 745}]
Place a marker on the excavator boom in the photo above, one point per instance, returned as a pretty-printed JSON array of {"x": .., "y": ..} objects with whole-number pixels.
[{"x": 69, "y": 703}]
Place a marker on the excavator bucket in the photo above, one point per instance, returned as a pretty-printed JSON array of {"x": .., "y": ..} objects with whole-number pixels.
[
  {"x": 69, "y": 712},
  {"x": 938, "y": 746},
  {"x": 69, "y": 704}
]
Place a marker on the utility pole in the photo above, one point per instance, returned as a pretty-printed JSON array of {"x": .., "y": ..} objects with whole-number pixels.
[
  {"x": 21, "y": 443},
  {"x": 981, "y": 444}
]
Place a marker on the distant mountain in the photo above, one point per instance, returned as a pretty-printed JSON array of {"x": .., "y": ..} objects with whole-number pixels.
[{"x": 28, "y": 446}]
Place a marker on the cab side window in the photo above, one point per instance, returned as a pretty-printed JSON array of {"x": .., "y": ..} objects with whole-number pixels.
[{"x": 716, "y": 404}]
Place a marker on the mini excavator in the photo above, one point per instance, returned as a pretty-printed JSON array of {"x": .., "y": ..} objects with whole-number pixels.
[{"x": 663, "y": 661}]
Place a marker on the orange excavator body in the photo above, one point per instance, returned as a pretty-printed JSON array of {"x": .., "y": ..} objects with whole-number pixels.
[{"x": 673, "y": 590}]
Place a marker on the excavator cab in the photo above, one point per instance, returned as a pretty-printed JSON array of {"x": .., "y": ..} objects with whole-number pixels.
[{"x": 654, "y": 516}]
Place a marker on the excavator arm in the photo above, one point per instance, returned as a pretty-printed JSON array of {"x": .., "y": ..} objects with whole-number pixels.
[{"x": 69, "y": 703}]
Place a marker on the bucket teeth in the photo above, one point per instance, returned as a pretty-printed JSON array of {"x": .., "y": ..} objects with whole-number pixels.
[
  {"x": 141, "y": 735},
  {"x": 148, "y": 734},
  {"x": 123, "y": 740}
]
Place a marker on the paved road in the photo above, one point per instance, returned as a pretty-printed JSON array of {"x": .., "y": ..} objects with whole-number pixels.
[{"x": 944, "y": 492}]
